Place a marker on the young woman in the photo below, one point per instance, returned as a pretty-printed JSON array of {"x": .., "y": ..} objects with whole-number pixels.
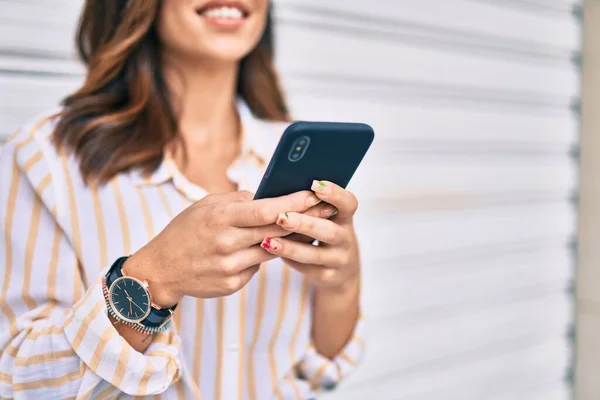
[{"x": 127, "y": 210}]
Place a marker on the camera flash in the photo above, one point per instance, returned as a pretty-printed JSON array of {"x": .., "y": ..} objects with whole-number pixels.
[{"x": 298, "y": 148}]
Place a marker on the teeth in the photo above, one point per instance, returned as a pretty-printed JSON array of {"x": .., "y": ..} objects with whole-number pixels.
[{"x": 224, "y": 12}]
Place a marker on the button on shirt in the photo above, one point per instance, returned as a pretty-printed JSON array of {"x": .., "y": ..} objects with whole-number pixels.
[{"x": 57, "y": 239}]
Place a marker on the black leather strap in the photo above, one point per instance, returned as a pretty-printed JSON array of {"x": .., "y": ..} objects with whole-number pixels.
[{"x": 156, "y": 317}]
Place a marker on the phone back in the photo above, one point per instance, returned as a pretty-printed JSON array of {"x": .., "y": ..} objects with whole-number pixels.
[{"x": 307, "y": 151}]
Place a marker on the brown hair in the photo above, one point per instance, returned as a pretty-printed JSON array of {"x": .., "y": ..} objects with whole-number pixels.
[{"x": 121, "y": 119}]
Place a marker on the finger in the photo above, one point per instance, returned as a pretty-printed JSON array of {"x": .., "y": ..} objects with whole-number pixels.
[
  {"x": 302, "y": 252},
  {"x": 322, "y": 230},
  {"x": 321, "y": 210},
  {"x": 296, "y": 237},
  {"x": 243, "y": 195},
  {"x": 265, "y": 211},
  {"x": 240, "y": 260},
  {"x": 247, "y": 274},
  {"x": 255, "y": 235},
  {"x": 345, "y": 202}
]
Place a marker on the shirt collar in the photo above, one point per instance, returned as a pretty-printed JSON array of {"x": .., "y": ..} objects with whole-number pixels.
[{"x": 255, "y": 147}]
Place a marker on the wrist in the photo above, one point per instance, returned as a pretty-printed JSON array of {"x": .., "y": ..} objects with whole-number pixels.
[
  {"x": 348, "y": 288},
  {"x": 142, "y": 266}
]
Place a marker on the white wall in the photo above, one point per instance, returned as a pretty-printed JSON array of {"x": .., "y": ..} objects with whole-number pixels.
[
  {"x": 465, "y": 218},
  {"x": 465, "y": 215}
]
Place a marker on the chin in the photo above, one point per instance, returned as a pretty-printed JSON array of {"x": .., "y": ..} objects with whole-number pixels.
[{"x": 224, "y": 52}]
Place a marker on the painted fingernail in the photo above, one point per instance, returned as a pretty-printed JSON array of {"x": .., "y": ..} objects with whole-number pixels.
[
  {"x": 329, "y": 212},
  {"x": 288, "y": 220},
  {"x": 320, "y": 187},
  {"x": 271, "y": 244},
  {"x": 312, "y": 201}
]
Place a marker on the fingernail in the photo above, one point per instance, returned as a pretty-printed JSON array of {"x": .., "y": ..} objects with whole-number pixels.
[
  {"x": 271, "y": 244},
  {"x": 288, "y": 220},
  {"x": 312, "y": 201},
  {"x": 320, "y": 187},
  {"x": 329, "y": 212}
]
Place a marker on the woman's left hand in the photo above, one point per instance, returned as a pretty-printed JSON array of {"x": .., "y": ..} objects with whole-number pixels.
[{"x": 335, "y": 260}]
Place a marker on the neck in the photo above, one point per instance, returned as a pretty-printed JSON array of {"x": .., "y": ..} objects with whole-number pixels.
[{"x": 204, "y": 100}]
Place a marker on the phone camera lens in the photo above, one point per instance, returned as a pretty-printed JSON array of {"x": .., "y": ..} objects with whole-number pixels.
[{"x": 298, "y": 149}]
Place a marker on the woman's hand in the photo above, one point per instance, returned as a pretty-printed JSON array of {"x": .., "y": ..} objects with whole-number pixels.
[
  {"x": 335, "y": 261},
  {"x": 212, "y": 248}
]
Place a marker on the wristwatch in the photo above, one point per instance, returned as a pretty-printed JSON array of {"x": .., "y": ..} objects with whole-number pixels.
[{"x": 129, "y": 301}]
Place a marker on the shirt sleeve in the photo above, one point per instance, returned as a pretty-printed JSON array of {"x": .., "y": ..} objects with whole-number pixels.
[
  {"x": 324, "y": 373},
  {"x": 56, "y": 340}
]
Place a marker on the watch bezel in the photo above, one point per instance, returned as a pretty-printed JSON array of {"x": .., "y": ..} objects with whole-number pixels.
[{"x": 145, "y": 288}]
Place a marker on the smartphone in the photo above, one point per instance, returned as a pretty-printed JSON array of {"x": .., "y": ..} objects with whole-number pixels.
[{"x": 308, "y": 151}]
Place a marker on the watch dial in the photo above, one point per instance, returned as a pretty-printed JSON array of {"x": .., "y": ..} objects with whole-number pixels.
[{"x": 130, "y": 299}]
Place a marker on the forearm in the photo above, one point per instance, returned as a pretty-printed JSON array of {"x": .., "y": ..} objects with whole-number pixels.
[
  {"x": 335, "y": 312},
  {"x": 137, "y": 340}
]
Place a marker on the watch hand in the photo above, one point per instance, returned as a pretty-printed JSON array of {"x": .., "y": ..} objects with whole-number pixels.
[
  {"x": 134, "y": 303},
  {"x": 130, "y": 309},
  {"x": 128, "y": 296}
]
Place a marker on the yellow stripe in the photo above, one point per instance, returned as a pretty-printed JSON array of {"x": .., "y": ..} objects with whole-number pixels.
[
  {"x": 100, "y": 227},
  {"x": 104, "y": 339},
  {"x": 242, "y": 341},
  {"x": 4, "y": 378},
  {"x": 180, "y": 389},
  {"x": 348, "y": 359},
  {"x": 162, "y": 337},
  {"x": 44, "y": 358},
  {"x": 49, "y": 330},
  {"x": 122, "y": 217},
  {"x": 148, "y": 371},
  {"x": 13, "y": 135},
  {"x": 260, "y": 310},
  {"x": 360, "y": 342},
  {"x": 294, "y": 385},
  {"x": 53, "y": 268},
  {"x": 285, "y": 285},
  {"x": 33, "y": 160},
  {"x": 146, "y": 212},
  {"x": 78, "y": 306},
  {"x": 43, "y": 184},
  {"x": 10, "y": 351},
  {"x": 30, "y": 251},
  {"x": 165, "y": 201},
  {"x": 44, "y": 312},
  {"x": 219, "y": 349},
  {"x": 87, "y": 394},
  {"x": 122, "y": 365},
  {"x": 8, "y": 223},
  {"x": 84, "y": 325},
  {"x": 107, "y": 393},
  {"x": 316, "y": 380},
  {"x": 197, "y": 368},
  {"x": 300, "y": 320},
  {"x": 50, "y": 382},
  {"x": 75, "y": 231}
]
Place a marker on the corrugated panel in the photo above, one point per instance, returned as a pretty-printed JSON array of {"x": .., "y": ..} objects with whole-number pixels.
[
  {"x": 466, "y": 219},
  {"x": 467, "y": 215}
]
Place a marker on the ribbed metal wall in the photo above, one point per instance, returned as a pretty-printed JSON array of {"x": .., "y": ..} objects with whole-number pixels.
[{"x": 467, "y": 216}]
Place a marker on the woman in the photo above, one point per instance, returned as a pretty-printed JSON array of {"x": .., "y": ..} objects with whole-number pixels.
[{"x": 152, "y": 157}]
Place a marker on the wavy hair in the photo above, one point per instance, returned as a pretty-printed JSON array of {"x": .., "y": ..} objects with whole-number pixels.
[{"x": 121, "y": 118}]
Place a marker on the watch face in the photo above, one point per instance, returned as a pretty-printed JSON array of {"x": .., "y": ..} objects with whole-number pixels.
[{"x": 129, "y": 298}]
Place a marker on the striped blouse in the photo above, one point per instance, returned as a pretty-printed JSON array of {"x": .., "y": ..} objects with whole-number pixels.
[{"x": 58, "y": 238}]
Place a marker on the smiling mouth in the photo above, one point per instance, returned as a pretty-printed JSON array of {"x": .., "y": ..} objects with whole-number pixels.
[{"x": 224, "y": 12}]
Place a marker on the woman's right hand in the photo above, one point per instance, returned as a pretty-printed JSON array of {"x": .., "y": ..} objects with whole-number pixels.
[{"x": 211, "y": 249}]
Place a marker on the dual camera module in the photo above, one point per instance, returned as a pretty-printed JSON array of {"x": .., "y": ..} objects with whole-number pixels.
[{"x": 299, "y": 148}]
